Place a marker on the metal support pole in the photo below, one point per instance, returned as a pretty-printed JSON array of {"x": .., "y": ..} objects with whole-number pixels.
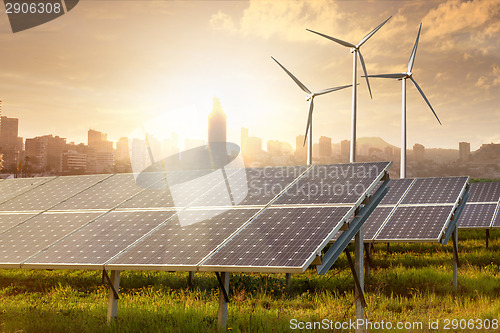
[
  {"x": 114, "y": 282},
  {"x": 487, "y": 238},
  {"x": 354, "y": 107},
  {"x": 223, "y": 299},
  {"x": 358, "y": 266},
  {"x": 288, "y": 278},
  {"x": 454, "y": 238},
  {"x": 368, "y": 264},
  {"x": 190, "y": 279},
  {"x": 402, "y": 172}
]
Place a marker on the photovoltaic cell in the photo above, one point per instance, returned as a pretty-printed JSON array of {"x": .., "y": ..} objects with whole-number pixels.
[
  {"x": 375, "y": 221},
  {"x": 280, "y": 237},
  {"x": 477, "y": 216},
  {"x": 496, "y": 222},
  {"x": 102, "y": 239},
  {"x": 104, "y": 195},
  {"x": 8, "y": 221},
  {"x": 174, "y": 245},
  {"x": 396, "y": 189},
  {"x": 484, "y": 192},
  {"x": 32, "y": 236},
  {"x": 415, "y": 223},
  {"x": 331, "y": 184},
  {"x": 51, "y": 193},
  {"x": 11, "y": 188},
  {"x": 435, "y": 190}
]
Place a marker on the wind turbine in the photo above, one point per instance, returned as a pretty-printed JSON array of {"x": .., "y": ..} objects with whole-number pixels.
[
  {"x": 403, "y": 77},
  {"x": 310, "y": 97},
  {"x": 355, "y": 51}
]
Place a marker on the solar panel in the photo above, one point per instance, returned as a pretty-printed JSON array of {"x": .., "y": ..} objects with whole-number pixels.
[
  {"x": 11, "y": 188},
  {"x": 51, "y": 193},
  {"x": 173, "y": 247},
  {"x": 435, "y": 190},
  {"x": 496, "y": 222},
  {"x": 100, "y": 240},
  {"x": 484, "y": 192},
  {"x": 375, "y": 221},
  {"x": 104, "y": 195},
  {"x": 279, "y": 238},
  {"x": 34, "y": 235},
  {"x": 477, "y": 216},
  {"x": 333, "y": 184},
  {"x": 8, "y": 221},
  {"x": 417, "y": 223},
  {"x": 396, "y": 190}
]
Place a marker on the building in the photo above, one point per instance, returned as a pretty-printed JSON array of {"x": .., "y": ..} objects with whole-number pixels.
[
  {"x": 10, "y": 143},
  {"x": 325, "y": 147},
  {"x": 244, "y": 139},
  {"x": 73, "y": 163},
  {"x": 44, "y": 153},
  {"x": 345, "y": 149},
  {"x": 464, "y": 151},
  {"x": 100, "y": 157},
  {"x": 301, "y": 149},
  {"x": 418, "y": 152},
  {"x": 36, "y": 155},
  {"x": 217, "y": 130}
]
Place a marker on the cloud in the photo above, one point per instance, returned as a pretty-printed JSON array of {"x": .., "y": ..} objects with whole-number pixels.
[{"x": 286, "y": 19}]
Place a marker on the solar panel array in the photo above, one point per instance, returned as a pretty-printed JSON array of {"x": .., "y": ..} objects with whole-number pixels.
[
  {"x": 258, "y": 219},
  {"x": 482, "y": 209},
  {"x": 415, "y": 210}
]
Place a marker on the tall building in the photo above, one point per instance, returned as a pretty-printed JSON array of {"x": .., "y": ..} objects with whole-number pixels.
[
  {"x": 244, "y": 140},
  {"x": 73, "y": 163},
  {"x": 10, "y": 143},
  {"x": 100, "y": 153},
  {"x": 345, "y": 149},
  {"x": 464, "y": 151},
  {"x": 301, "y": 149},
  {"x": 44, "y": 153},
  {"x": 325, "y": 147},
  {"x": 419, "y": 152},
  {"x": 217, "y": 131}
]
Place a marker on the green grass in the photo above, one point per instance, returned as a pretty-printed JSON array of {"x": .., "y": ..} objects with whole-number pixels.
[{"x": 409, "y": 282}]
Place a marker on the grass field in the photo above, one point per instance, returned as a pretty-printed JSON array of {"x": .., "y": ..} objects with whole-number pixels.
[{"x": 409, "y": 282}]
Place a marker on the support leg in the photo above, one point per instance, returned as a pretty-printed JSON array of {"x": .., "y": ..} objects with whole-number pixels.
[
  {"x": 454, "y": 238},
  {"x": 223, "y": 300},
  {"x": 190, "y": 279},
  {"x": 368, "y": 263},
  {"x": 113, "y": 299},
  {"x": 358, "y": 266},
  {"x": 487, "y": 237},
  {"x": 288, "y": 278}
]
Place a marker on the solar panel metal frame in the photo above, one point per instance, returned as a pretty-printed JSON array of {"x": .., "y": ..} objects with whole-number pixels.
[
  {"x": 496, "y": 212},
  {"x": 479, "y": 227},
  {"x": 447, "y": 225}
]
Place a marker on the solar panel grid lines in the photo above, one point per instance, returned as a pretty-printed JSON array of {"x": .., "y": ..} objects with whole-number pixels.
[
  {"x": 172, "y": 247},
  {"x": 434, "y": 190},
  {"x": 95, "y": 243},
  {"x": 283, "y": 229},
  {"x": 484, "y": 192},
  {"x": 38, "y": 233},
  {"x": 375, "y": 222},
  {"x": 10, "y": 220},
  {"x": 328, "y": 184},
  {"x": 495, "y": 222},
  {"x": 401, "y": 227},
  {"x": 105, "y": 194},
  {"x": 11, "y": 188},
  {"x": 51, "y": 193}
]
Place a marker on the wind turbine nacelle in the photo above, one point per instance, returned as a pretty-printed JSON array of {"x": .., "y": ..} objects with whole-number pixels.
[{"x": 28, "y": 14}]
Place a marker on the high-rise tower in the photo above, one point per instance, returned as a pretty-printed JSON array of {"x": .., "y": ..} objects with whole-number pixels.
[{"x": 216, "y": 123}]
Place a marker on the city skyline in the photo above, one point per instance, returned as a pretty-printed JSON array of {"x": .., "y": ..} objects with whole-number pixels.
[{"x": 135, "y": 64}]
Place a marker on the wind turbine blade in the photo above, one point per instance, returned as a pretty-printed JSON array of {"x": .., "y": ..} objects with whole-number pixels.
[
  {"x": 364, "y": 71},
  {"x": 389, "y": 76},
  {"x": 373, "y": 32},
  {"x": 425, "y": 98},
  {"x": 336, "y": 40},
  {"x": 414, "y": 52},
  {"x": 309, "y": 118},
  {"x": 326, "y": 91},
  {"x": 300, "y": 84}
]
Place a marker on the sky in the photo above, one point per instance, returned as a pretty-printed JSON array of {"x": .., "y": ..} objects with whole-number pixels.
[{"x": 113, "y": 65}]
